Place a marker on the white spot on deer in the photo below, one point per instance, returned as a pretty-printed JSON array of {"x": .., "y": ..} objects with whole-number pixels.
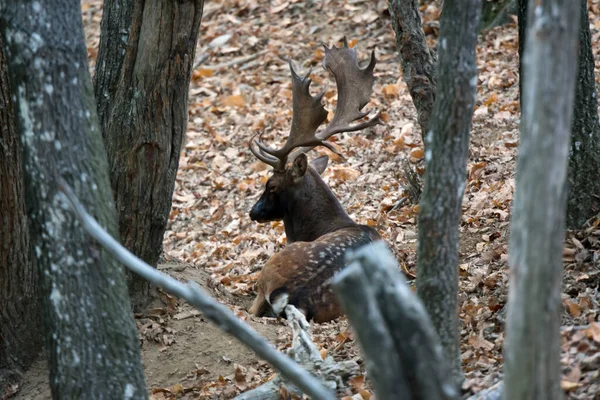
[
  {"x": 322, "y": 254},
  {"x": 328, "y": 262},
  {"x": 57, "y": 145},
  {"x": 428, "y": 155},
  {"x": 37, "y": 7},
  {"x": 49, "y": 88},
  {"x": 444, "y": 44},
  {"x": 280, "y": 303}
]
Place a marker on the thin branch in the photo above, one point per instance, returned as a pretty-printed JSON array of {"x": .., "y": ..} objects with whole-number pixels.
[
  {"x": 305, "y": 352},
  {"x": 195, "y": 295},
  {"x": 236, "y": 61}
]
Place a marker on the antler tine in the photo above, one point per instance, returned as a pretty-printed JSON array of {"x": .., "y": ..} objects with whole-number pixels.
[
  {"x": 261, "y": 155},
  {"x": 354, "y": 86},
  {"x": 308, "y": 115}
]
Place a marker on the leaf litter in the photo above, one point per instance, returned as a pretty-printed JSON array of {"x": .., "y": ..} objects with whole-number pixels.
[{"x": 234, "y": 93}]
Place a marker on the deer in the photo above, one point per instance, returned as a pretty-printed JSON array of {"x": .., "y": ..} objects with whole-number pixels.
[{"x": 318, "y": 229}]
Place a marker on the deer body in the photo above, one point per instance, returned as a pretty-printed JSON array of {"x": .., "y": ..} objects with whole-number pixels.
[
  {"x": 299, "y": 274},
  {"x": 318, "y": 229}
]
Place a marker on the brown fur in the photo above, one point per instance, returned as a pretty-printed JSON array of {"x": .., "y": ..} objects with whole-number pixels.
[{"x": 303, "y": 269}]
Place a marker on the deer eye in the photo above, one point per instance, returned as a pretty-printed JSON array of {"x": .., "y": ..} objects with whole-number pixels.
[{"x": 272, "y": 189}]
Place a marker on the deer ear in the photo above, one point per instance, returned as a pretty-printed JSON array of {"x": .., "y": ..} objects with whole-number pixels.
[
  {"x": 298, "y": 169},
  {"x": 319, "y": 164}
]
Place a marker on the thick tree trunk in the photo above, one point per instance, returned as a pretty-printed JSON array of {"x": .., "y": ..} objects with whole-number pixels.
[
  {"x": 89, "y": 329},
  {"x": 141, "y": 84},
  {"x": 584, "y": 164},
  {"x": 447, "y": 149},
  {"x": 20, "y": 336},
  {"x": 532, "y": 348},
  {"x": 418, "y": 62}
]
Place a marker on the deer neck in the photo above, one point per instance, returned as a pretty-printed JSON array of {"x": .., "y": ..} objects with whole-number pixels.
[{"x": 313, "y": 212}]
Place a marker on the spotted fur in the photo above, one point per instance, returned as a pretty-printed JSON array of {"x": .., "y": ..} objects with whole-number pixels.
[{"x": 300, "y": 274}]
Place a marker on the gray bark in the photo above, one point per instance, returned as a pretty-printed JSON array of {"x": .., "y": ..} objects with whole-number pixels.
[
  {"x": 196, "y": 296},
  {"x": 393, "y": 328},
  {"x": 141, "y": 84},
  {"x": 532, "y": 347},
  {"x": 382, "y": 361},
  {"x": 305, "y": 353},
  {"x": 522, "y": 22},
  {"x": 584, "y": 164},
  {"x": 417, "y": 60},
  {"x": 447, "y": 149},
  {"x": 20, "y": 337},
  {"x": 89, "y": 328}
]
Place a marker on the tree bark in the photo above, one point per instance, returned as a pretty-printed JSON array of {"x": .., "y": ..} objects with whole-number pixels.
[
  {"x": 20, "y": 337},
  {"x": 522, "y": 22},
  {"x": 584, "y": 164},
  {"x": 418, "y": 62},
  {"x": 532, "y": 347},
  {"x": 447, "y": 149},
  {"x": 398, "y": 327},
  {"x": 141, "y": 84},
  {"x": 90, "y": 334}
]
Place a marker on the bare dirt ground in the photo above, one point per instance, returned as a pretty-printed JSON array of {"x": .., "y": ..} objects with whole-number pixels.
[{"x": 211, "y": 240}]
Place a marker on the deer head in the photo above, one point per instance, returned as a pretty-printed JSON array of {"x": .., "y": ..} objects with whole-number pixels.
[{"x": 295, "y": 193}]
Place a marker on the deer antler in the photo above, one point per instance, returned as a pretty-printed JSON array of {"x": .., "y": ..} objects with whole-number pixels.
[{"x": 354, "y": 86}]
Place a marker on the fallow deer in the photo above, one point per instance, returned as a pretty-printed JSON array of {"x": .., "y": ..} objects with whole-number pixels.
[{"x": 318, "y": 229}]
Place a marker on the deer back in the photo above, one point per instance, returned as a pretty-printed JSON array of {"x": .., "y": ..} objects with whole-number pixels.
[{"x": 300, "y": 274}]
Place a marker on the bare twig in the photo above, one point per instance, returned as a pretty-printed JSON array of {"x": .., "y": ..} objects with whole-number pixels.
[
  {"x": 193, "y": 293},
  {"x": 305, "y": 352}
]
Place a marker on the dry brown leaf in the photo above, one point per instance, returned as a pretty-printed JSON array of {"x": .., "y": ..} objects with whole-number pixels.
[{"x": 234, "y": 101}]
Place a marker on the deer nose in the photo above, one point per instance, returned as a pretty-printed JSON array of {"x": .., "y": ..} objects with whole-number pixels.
[{"x": 255, "y": 212}]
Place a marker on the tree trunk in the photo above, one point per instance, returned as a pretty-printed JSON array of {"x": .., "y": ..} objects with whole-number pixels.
[
  {"x": 20, "y": 336},
  {"x": 141, "y": 84},
  {"x": 532, "y": 347},
  {"x": 418, "y": 62},
  {"x": 522, "y": 22},
  {"x": 496, "y": 12},
  {"x": 584, "y": 192},
  {"x": 90, "y": 333},
  {"x": 584, "y": 164},
  {"x": 447, "y": 149}
]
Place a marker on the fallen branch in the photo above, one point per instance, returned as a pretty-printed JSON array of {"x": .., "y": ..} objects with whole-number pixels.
[
  {"x": 193, "y": 293},
  {"x": 236, "y": 61},
  {"x": 305, "y": 352},
  {"x": 373, "y": 277}
]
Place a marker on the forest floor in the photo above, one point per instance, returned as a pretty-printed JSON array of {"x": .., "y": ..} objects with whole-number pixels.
[{"x": 242, "y": 86}]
